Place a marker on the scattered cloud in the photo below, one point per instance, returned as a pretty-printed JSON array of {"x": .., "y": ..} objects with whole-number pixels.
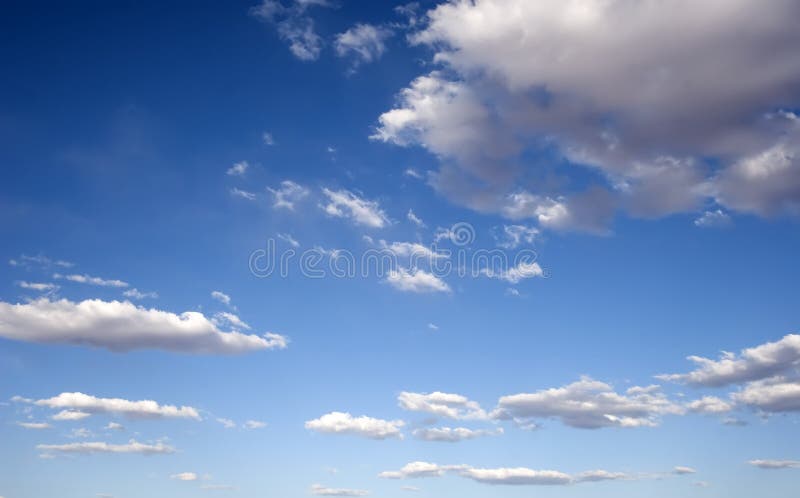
[
  {"x": 70, "y": 415},
  {"x": 238, "y": 169},
  {"x": 453, "y": 434},
  {"x": 243, "y": 194},
  {"x": 123, "y": 326},
  {"x": 453, "y": 406},
  {"x": 89, "y": 280},
  {"x": 590, "y": 404},
  {"x": 774, "y": 395},
  {"x": 227, "y": 423},
  {"x": 35, "y": 425},
  {"x": 288, "y": 239},
  {"x": 416, "y": 280},
  {"x": 681, "y": 470},
  {"x": 288, "y": 194},
  {"x": 515, "y": 274},
  {"x": 254, "y": 424},
  {"x": 368, "y": 427},
  {"x": 38, "y": 286},
  {"x": 233, "y": 321},
  {"x": 713, "y": 219},
  {"x": 39, "y": 261},
  {"x": 775, "y": 464},
  {"x": 221, "y": 297},
  {"x": 512, "y": 236},
  {"x": 365, "y": 43},
  {"x": 137, "y": 294},
  {"x": 433, "y": 326},
  {"x": 184, "y": 476},
  {"x": 267, "y": 138},
  {"x": 346, "y": 204},
  {"x": 114, "y": 426},
  {"x": 85, "y": 403},
  {"x": 709, "y": 405},
  {"x": 293, "y": 25},
  {"x": 413, "y": 173},
  {"x": 413, "y": 218},
  {"x": 88, "y": 448},
  {"x": 319, "y": 490}
]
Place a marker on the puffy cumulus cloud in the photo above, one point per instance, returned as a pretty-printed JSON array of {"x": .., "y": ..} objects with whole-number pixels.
[
  {"x": 344, "y": 423},
  {"x": 760, "y": 362},
  {"x": 710, "y": 405},
  {"x": 538, "y": 97},
  {"x": 364, "y": 42},
  {"x": 416, "y": 280},
  {"x": 84, "y": 403},
  {"x": 589, "y": 404},
  {"x": 454, "y": 406},
  {"x": 88, "y": 448},
  {"x": 453, "y": 434},
  {"x": 775, "y": 464},
  {"x": 346, "y": 204},
  {"x": 184, "y": 476},
  {"x": 320, "y": 490},
  {"x": 773, "y": 395},
  {"x": 123, "y": 326},
  {"x": 287, "y": 194},
  {"x": 293, "y": 24},
  {"x": 502, "y": 476}
]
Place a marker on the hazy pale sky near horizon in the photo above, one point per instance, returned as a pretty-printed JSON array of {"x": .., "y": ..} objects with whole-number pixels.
[{"x": 490, "y": 248}]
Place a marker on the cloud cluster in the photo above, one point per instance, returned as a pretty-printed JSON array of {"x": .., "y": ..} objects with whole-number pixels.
[
  {"x": 123, "y": 326},
  {"x": 368, "y": 427},
  {"x": 605, "y": 91}
]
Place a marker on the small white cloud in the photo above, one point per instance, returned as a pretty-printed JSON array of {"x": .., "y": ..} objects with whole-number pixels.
[
  {"x": 413, "y": 173},
  {"x": 229, "y": 319},
  {"x": 364, "y": 42},
  {"x": 512, "y": 236},
  {"x": 713, "y": 219},
  {"x": 454, "y": 406},
  {"x": 775, "y": 464},
  {"x": 681, "y": 470},
  {"x": 288, "y": 194},
  {"x": 88, "y": 279},
  {"x": 289, "y": 239},
  {"x": 88, "y": 448},
  {"x": 452, "y": 434},
  {"x": 243, "y": 194},
  {"x": 346, "y": 204},
  {"x": 221, "y": 297},
  {"x": 227, "y": 423},
  {"x": 137, "y": 294},
  {"x": 415, "y": 219},
  {"x": 709, "y": 405},
  {"x": 35, "y": 425},
  {"x": 254, "y": 424},
  {"x": 86, "y": 404},
  {"x": 114, "y": 426},
  {"x": 319, "y": 490},
  {"x": 416, "y": 280},
  {"x": 344, "y": 423},
  {"x": 238, "y": 169},
  {"x": 70, "y": 415},
  {"x": 184, "y": 476},
  {"x": 38, "y": 286},
  {"x": 433, "y": 326},
  {"x": 267, "y": 138},
  {"x": 515, "y": 274}
]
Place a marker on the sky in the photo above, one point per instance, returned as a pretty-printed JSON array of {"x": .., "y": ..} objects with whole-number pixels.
[{"x": 450, "y": 248}]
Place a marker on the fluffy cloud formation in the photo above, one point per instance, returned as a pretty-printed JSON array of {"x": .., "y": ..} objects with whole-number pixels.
[
  {"x": 518, "y": 476},
  {"x": 320, "y": 490},
  {"x": 346, "y": 204},
  {"x": 452, "y": 434},
  {"x": 755, "y": 363},
  {"x": 84, "y": 403},
  {"x": 416, "y": 280},
  {"x": 775, "y": 395},
  {"x": 605, "y": 90},
  {"x": 454, "y": 406},
  {"x": 88, "y": 448},
  {"x": 288, "y": 194},
  {"x": 364, "y": 42},
  {"x": 589, "y": 404},
  {"x": 293, "y": 25},
  {"x": 123, "y": 326},
  {"x": 344, "y": 423}
]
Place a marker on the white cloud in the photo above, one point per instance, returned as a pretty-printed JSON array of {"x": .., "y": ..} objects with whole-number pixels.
[
  {"x": 515, "y": 274},
  {"x": 518, "y": 476},
  {"x": 319, "y": 490},
  {"x": 413, "y": 218},
  {"x": 760, "y": 362},
  {"x": 233, "y": 321},
  {"x": 775, "y": 464},
  {"x": 433, "y": 326},
  {"x": 416, "y": 280},
  {"x": 114, "y": 426},
  {"x": 293, "y": 25},
  {"x": 344, "y": 423},
  {"x": 515, "y": 235},
  {"x": 85, "y": 403},
  {"x": 87, "y": 448},
  {"x": 244, "y": 194},
  {"x": 613, "y": 92},
  {"x": 267, "y": 138},
  {"x": 39, "y": 261},
  {"x": 88, "y": 279},
  {"x": 227, "y": 423},
  {"x": 713, "y": 219},
  {"x": 221, "y": 297},
  {"x": 288, "y": 194},
  {"x": 137, "y": 294},
  {"x": 454, "y": 406},
  {"x": 238, "y": 169},
  {"x": 413, "y": 173},
  {"x": 81, "y": 432},
  {"x": 184, "y": 476},
  {"x": 254, "y": 424},
  {"x": 346, "y": 204},
  {"x": 35, "y": 425},
  {"x": 709, "y": 404},
  {"x": 70, "y": 415},
  {"x": 123, "y": 326},
  {"x": 682, "y": 470},
  {"x": 288, "y": 239},
  {"x": 38, "y": 286},
  {"x": 453, "y": 434},
  {"x": 412, "y": 250},
  {"x": 590, "y": 404},
  {"x": 776, "y": 394},
  {"x": 364, "y": 42}
]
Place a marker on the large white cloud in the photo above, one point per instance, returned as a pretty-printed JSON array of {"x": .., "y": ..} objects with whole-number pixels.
[
  {"x": 760, "y": 362},
  {"x": 123, "y": 326},
  {"x": 84, "y": 403},
  {"x": 589, "y": 404},
  {"x": 344, "y": 423},
  {"x": 608, "y": 88}
]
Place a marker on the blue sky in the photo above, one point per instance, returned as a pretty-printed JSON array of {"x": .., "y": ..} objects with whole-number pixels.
[{"x": 588, "y": 237}]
